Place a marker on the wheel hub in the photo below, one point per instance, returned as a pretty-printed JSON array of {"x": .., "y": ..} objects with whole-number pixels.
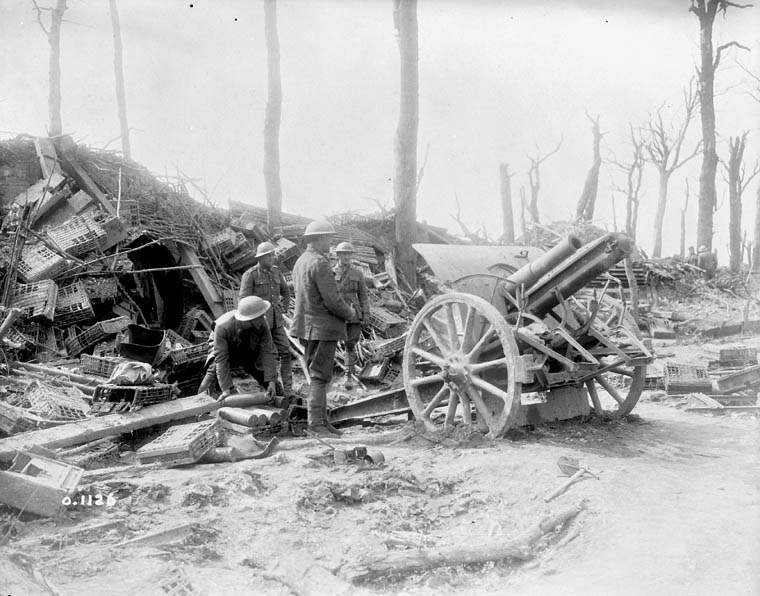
[{"x": 457, "y": 372}]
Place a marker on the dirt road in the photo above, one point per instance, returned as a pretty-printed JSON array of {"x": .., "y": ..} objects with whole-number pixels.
[{"x": 676, "y": 510}]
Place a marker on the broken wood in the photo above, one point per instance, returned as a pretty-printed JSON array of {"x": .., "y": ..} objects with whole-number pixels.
[
  {"x": 306, "y": 578},
  {"x": 202, "y": 280},
  {"x": 26, "y": 374},
  {"x": 12, "y": 315},
  {"x": 566, "y": 484},
  {"x": 110, "y": 425},
  {"x": 19, "y": 575},
  {"x": 162, "y": 536},
  {"x": 402, "y": 562},
  {"x": 726, "y": 409}
]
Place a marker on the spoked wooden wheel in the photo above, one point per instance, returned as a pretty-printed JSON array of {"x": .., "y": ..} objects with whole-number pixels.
[
  {"x": 460, "y": 353},
  {"x": 615, "y": 391}
]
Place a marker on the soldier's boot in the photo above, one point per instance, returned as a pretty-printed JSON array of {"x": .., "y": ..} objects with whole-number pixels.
[
  {"x": 328, "y": 424},
  {"x": 286, "y": 373},
  {"x": 348, "y": 384},
  {"x": 315, "y": 408}
]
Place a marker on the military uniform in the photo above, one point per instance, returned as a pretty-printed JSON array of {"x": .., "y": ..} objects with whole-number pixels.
[
  {"x": 353, "y": 288},
  {"x": 709, "y": 262},
  {"x": 320, "y": 313},
  {"x": 252, "y": 349},
  {"x": 271, "y": 286}
]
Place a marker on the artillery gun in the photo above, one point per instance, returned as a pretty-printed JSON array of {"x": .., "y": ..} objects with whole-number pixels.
[{"x": 520, "y": 325}]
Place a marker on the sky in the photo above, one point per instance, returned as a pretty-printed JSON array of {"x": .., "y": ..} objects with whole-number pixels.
[{"x": 498, "y": 81}]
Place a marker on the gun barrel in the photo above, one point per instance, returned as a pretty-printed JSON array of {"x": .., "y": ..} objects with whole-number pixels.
[
  {"x": 575, "y": 272},
  {"x": 530, "y": 273}
]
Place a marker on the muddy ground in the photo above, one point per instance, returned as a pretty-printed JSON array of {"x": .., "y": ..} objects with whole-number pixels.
[{"x": 676, "y": 510}]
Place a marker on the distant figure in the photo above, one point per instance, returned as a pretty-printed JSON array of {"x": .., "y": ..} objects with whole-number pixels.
[
  {"x": 691, "y": 257},
  {"x": 707, "y": 261}
]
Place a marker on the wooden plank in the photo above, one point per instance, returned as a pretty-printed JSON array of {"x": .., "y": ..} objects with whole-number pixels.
[
  {"x": 75, "y": 433},
  {"x": 83, "y": 180},
  {"x": 202, "y": 280},
  {"x": 726, "y": 409},
  {"x": 47, "y": 156}
]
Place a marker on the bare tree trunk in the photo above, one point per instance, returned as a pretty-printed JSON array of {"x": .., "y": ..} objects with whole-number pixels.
[
  {"x": 587, "y": 200},
  {"x": 523, "y": 219},
  {"x": 404, "y": 183},
  {"x": 705, "y": 11},
  {"x": 507, "y": 217},
  {"x": 118, "y": 67},
  {"x": 756, "y": 246},
  {"x": 682, "y": 246},
  {"x": 272, "y": 117},
  {"x": 736, "y": 154},
  {"x": 54, "y": 92},
  {"x": 534, "y": 179},
  {"x": 662, "y": 201}
]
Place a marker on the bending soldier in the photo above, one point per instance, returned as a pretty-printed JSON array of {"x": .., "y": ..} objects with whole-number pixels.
[
  {"x": 354, "y": 291},
  {"x": 319, "y": 319},
  {"x": 266, "y": 281},
  {"x": 242, "y": 338}
]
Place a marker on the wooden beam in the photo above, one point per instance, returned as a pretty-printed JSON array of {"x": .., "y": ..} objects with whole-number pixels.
[
  {"x": 110, "y": 425},
  {"x": 83, "y": 180},
  {"x": 188, "y": 256}
]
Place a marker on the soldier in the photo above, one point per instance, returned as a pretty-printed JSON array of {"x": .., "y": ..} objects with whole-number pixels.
[
  {"x": 319, "y": 319},
  {"x": 707, "y": 261},
  {"x": 266, "y": 281},
  {"x": 242, "y": 338},
  {"x": 354, "y": 291},
  {"x": 691, "y": 256}
]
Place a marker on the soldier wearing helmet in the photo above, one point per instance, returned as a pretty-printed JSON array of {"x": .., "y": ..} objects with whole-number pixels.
[
  {"x": 353, "y": 288},
  {"x": 242, "y": 338},
  {"x": 707, "y": 261},
  {"x": 319, "y": 319},
  {"x": 266, "y": 281}
]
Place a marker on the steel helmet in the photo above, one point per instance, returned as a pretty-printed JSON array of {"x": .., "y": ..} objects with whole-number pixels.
[
  {"x": 265, "y": 248},
  {"x": 345, "y": 247},
  {"x": 251, "y": 307},
  {"x": 319, "y": 228}
]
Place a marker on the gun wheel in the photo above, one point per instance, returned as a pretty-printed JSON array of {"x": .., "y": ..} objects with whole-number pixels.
[
  {"x": 461, "y": 355},
  {"x": 616, "y": 391}
]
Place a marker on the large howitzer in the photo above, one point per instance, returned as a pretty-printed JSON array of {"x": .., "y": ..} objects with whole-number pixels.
[{"x": 510, "y": 332}]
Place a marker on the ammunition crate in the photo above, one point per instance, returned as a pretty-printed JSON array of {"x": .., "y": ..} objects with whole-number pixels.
[
  {"x": 385, "y": 322},
  {"x": 223, "y": 241},
  {"x": 181, "y": 444},
  {"x": 101, "y": 366},
  {"x": 101, "y": 289},
  {"x": 191, "y": 320},
  {"x": 176, "y": 339},
  {"x": 289, "y": 281},
  {"x": 79, "y": 235},
  {"x": 733, "y": 355},
  {"x": 129, "y": 211},
  {"x": 38, "y": 262},
  {"x": 284, "y": 250},
  {"x": 72, "y": 305},
  {"x": 17, "y": 340},
  {"x": 686, "y": 378},
  {"x": 229, "y": 298},
  {"x": 36, "y": 300},
  {"x": 393, "y": 374},
  {"x": 94, "y": 334},
  {"x": 57, "y": 406},
  {"x": 110, "y": 398},
  {"x": 196, "y": 353},
  {"x": 102, "y": 455},
  {"x": 388, "y": 347}
]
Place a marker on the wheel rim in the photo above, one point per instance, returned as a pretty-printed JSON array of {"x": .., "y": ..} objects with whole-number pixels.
[
  {"x": 461, "y": 354},
  {"x": 614, "y": 393}
]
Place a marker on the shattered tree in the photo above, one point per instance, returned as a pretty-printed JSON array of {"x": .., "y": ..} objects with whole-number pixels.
[
  {"x": 118, "y": 67},
  {"x": 664, "y": 148},
  {"x": 705, "y": 11},
  {"x": 534, "y": 179},
  {"x": 633, "y": 171},
  {"x": 738, "y": 180},
  {"x": 587, "y": 201},
  {"x": 272, "y": 117},
  {"x": 53, "y": 33},
  {"x": 405, "y": 180},
  {"x": 507, "y": 215}
]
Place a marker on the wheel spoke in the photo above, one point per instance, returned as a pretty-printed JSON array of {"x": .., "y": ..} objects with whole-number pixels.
[
  {"x": 480, "y": 366},
  {"x": 438, "y": 361},
  {"x": 467, "y": 328},
  {"x": 594, "y": 397},
  {"x": 452, "y": 325},
  {"x": 480, "y": 407},
  {"x": 434, "y": 403},
  {"x": 426, "y": 380},
  {"x": 492, "y": 389},
  {"x": 443, "y": 346},
  {"x": 466, "y": 409},
  {"x": 481, "y": 342},
  {"x": 609, "y": 388},
  {"x": 622, "y": 371},
  {"x": 452, "y": 411}
]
